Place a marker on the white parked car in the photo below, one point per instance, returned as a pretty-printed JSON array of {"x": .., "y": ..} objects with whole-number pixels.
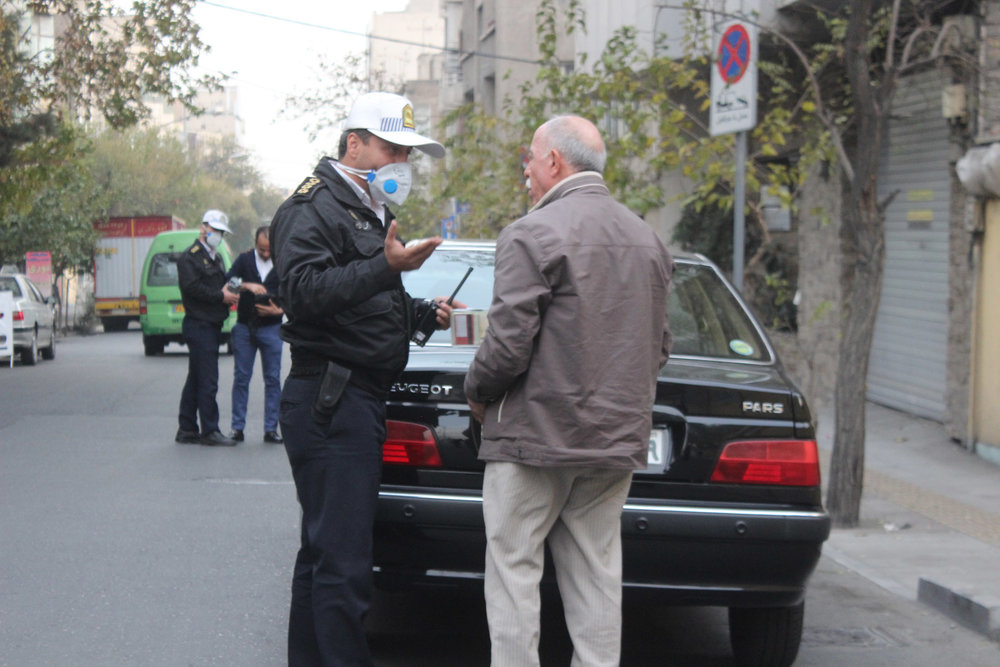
[{"x": 34, "y": 318}]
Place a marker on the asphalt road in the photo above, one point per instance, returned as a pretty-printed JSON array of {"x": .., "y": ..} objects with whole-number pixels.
[{"x": 120, "y": 547}]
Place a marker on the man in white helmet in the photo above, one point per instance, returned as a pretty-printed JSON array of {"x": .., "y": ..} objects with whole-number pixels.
[
  {"x": 202, "y": 279},
  {"x": 335, "y": 248}
]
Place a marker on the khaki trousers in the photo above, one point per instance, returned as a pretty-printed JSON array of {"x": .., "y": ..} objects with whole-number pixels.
[{"x": 578, "y": 510}]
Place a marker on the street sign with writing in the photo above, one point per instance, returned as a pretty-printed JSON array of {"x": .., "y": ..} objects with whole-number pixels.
[{"x": 734, "y": 79}]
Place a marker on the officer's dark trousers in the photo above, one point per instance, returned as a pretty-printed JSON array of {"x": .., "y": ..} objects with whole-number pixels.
[
  {"x": 198, "y": 397},
  {"x": 336, "y": 467}
]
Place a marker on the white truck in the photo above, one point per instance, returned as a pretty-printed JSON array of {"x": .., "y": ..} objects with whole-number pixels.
[{"x": 118, "y": 259}]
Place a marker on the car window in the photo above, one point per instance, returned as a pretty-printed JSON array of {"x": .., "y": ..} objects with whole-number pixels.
[
  {"x": 8, "y": 284},
  {"x": 441, "y": 273},
  {"x": 34, "y": 293},
  {"x": 162, "y": 270},
  {"x": 706, "y": 320}
]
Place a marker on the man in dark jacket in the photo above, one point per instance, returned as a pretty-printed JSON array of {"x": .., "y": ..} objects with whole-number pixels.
[
  {"x": 258, "y": 319},
  {"x": 349, "y": 323},
  {"x": 202, "y": 280},
  {"x": 564, "y": 383}
]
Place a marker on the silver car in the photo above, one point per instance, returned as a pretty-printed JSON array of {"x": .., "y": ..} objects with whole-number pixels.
[{"x": 33, "y": 319}]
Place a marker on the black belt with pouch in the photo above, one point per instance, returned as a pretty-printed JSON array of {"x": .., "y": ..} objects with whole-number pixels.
[
  {"x": 332, "y": 382},
  {"x": 334, "y": 377}
]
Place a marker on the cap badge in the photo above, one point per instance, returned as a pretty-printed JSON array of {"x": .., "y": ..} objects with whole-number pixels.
[{"x": 408, "y": 117}]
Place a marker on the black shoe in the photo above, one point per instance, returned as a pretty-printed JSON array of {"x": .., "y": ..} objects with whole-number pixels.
[
  {"x": 237, "y": 435},
  {"x": 217, "y": 439},
  {"x": 187, "y": 437},
  {"x": 273, "y": 437}
]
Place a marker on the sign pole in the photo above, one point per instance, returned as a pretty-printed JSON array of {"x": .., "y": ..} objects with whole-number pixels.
[
  {"x": 734, "y": 110},
  {"x": 739, "y": 204}
]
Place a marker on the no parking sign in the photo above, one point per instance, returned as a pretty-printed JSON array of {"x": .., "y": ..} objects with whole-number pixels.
[{"x": 734, "y": 79}]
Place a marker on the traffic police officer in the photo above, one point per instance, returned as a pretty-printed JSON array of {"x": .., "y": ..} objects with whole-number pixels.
[
  {"x": 349, "y": 322},
  {"x": 202, "y": 279}
]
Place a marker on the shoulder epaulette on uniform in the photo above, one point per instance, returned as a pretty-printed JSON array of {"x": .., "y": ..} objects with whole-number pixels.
[
  {"x": 308, "y": 188},
  {"x": 195, "y": 248}
]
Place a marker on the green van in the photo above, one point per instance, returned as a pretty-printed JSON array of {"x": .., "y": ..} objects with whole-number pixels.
[{"x": 160, "y": 307}]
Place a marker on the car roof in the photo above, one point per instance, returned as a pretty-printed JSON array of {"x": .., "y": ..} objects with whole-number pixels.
[{"x": 486, "y": 244}]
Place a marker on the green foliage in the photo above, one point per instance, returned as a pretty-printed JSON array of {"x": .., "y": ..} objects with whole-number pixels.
[
  {"x": 144, "y": 173},
  {"x": 652, "y": 111},
  {"x": 141, "y": 172},
  {"x": 102, "y": 65},
  {"x": 19, "y": 122},
  {"x": 708, "y": 230},
  {"x": 56, "y": 210},
  {"x": 106, "y": 58}
]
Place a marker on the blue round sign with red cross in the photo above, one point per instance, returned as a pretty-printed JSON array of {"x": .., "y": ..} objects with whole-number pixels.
[{"x": 734, "y": 53}]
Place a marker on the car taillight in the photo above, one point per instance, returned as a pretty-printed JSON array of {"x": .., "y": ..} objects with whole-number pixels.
[
  {"x": 777, "y": 462},
  {"x": 18, "y": 315},
  {"x": 142, "y": 304},
  {"x": 410, "y": 444}
]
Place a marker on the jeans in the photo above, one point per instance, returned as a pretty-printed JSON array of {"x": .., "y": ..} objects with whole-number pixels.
[
  {"x": 246, "y": 342},
  {"x": 198, "y": 396},
  {"x": 336, "y": 467}
]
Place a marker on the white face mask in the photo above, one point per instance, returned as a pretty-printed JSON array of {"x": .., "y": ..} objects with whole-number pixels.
[
  {"x": 390, "y": 184},
  {"x": 213, "y": 239}
]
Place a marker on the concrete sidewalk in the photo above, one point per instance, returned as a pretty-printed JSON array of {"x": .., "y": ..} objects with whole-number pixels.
[{"x": 930, "y": 518}]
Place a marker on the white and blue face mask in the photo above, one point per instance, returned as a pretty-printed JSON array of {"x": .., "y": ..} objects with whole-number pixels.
[
  {"x": 213, "y": 238},
  {"x": 390, "y": 184}
]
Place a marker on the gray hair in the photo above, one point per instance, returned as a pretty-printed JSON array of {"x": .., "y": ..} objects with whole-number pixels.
[{"x": 562, "y": 135}]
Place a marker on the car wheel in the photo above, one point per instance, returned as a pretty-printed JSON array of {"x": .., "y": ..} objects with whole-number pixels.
[
  {"x": 29, "y": 355},
  {"x": 152, "y": 346},
  {"x": 49, "y": 353},
  {"x": 766, "y": 636}
]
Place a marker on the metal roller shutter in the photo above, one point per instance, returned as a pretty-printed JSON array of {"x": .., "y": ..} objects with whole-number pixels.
[{"x": 907, "y": 364}]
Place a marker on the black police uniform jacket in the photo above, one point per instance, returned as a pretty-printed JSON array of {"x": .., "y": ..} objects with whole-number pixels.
[
  {"x": 342, "y": 301},
  {"x": 201, "y": 279}
]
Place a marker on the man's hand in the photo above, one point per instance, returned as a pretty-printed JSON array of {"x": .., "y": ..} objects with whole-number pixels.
[
  {"x": 400, "y": 257},
  {"x": 229, "y": 298},
  {"x": 256, "y": 288},
  {"x": 444, "y": 311},
  {"x": 478, "y": 410},
  {"x": 269, "y": 309}
]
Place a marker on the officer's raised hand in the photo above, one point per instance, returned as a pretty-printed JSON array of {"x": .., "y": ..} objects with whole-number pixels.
[{"x": 403, "y": 258}]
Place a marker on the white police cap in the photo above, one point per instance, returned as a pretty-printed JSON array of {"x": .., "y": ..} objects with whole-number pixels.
[
  {"x": 390, "y": 117},
  {"x": 216, "y": 219}
]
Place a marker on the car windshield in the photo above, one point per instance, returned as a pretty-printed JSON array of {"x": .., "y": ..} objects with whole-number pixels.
[
  {"x": 162, "y": 270},
  {"x": 8, "y": 284},
  {"x": 443, "y": 271},
  {"x": 705, "y": 317}
]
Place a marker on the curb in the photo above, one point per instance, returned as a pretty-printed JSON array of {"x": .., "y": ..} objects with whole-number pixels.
[{"x": 981, "y": 617}]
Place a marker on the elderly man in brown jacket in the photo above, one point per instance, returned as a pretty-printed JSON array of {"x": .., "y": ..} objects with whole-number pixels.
[{"x": 564, "y": 383}]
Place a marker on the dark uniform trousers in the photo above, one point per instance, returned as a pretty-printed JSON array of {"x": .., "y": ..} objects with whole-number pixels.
[
  {"x": 336, "y": 467},
  {"x": 198, "y": 397}
]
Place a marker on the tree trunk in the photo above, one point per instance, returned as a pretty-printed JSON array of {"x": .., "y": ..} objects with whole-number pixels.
[
  {"x": 863, "y": 245},
  {"x": 862, "y": 285}
]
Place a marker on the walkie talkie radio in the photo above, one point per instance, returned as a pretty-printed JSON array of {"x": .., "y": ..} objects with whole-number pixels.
[{"x": 428, "y": 323}]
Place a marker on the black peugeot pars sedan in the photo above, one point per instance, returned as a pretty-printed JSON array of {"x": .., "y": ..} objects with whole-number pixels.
[{"x": 727, "y": 513}]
